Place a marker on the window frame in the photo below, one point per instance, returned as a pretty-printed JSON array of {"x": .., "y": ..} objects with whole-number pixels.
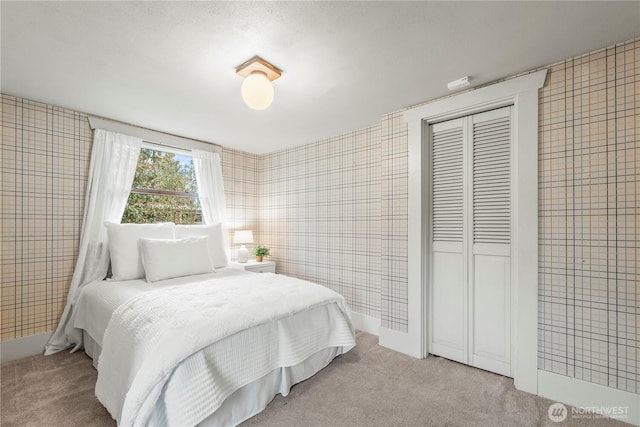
[{"x": 168, "y": 193}]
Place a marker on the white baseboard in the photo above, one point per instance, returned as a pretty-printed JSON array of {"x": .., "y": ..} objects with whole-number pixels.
[
  {"x": 399, "y": 341},
  {"x": 366, "y": 323},
  {"x": 23, "y": 347},
  {"x": 582, "y": 394}
]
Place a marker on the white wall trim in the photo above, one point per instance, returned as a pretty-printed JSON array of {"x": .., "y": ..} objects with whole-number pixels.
[
  {"x": 23, "y": 347},
  {"x": 522, "y": 92},
  {"x": 366, "y": 323},
  {"x": 413, "y": 341},
  {"x": 477, "y": 100},
  {"x": 155, "y": 137},
  {"x": 398, "y": 341},
  {"x": 583, "y": 394}
]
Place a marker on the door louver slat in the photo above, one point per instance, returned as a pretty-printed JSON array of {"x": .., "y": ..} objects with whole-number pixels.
[
  {"x": 491, "y": 181},
  {"x": 447, "y": 179}
]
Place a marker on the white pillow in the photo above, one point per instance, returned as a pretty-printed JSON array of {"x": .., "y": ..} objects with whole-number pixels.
[
  {"x": 214, "y": 240},
  {"x": 123, "y": 246},
  {"x": 166, "y": 259}
]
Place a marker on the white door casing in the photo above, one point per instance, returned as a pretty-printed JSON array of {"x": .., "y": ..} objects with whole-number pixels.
[{"x": 522, "y": 93}]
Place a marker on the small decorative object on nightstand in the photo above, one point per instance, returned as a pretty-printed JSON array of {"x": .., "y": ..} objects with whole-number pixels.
[
  {"x": 255, "y": 266},
  {"x": 240, "y": 238},
  {"x": 260, "y": 251}
]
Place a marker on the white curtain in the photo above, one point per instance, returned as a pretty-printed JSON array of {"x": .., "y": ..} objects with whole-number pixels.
[
  {"x": 113, "y": 165},
  {"x": 211, "y": 190}
]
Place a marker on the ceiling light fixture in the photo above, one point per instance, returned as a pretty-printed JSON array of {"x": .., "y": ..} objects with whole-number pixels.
[{"x": 257, "y": 90}]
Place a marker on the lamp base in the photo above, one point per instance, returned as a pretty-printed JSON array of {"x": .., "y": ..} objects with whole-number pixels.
[{"x": 243, "y": 254}]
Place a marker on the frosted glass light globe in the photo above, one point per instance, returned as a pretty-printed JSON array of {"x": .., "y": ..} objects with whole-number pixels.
[{"x": 257, "y": 91}]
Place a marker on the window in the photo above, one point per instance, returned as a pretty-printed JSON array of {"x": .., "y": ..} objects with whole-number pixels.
[{"x": 164, "y": 189}]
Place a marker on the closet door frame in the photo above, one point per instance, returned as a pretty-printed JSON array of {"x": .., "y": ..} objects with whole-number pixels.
[
  {"x": 457, "y": 260},
  {"x": 522, "y": 93}
]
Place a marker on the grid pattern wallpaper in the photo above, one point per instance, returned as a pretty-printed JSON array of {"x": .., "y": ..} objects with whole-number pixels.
[
  {"x": 335, "y": 212},
  {"x": 589, "y": 207},
  {"x": 45, "y": 164},
  {"x": 394, "y": 222},
  {"x": 45, "y": 160},
  {"x": 240, "y": 174},
  {"x": 320, "y": 214}
]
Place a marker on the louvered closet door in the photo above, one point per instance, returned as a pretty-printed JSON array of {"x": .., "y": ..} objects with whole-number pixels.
[
  {"x": 469, "y": 259},
  {"x": 448, "y": 290},
  {"x": 489, "y": 283}
]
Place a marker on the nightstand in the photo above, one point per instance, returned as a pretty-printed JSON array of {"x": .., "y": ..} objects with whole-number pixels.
[{"x": 254, "y": 266}]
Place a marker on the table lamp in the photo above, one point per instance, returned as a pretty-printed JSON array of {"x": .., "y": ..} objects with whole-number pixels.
[{"x": 240, "y": 238}]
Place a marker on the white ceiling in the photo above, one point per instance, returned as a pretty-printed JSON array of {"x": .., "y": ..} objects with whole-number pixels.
[{"x": 170, "y": 66}]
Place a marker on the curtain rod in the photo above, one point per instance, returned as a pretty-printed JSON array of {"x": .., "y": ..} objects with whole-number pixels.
[{"x": 152, "y": 136}]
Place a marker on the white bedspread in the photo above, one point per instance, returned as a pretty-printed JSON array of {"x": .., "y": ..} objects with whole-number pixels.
[
  {"x": 98, "y": 300},
  {"x": 150, "y": 335}
]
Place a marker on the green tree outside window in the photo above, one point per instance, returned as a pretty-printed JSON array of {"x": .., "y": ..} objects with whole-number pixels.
[{"x": 164, "y": 189}]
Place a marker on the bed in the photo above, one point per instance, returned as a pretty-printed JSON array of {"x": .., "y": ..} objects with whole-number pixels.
[{"x": 207, "y": 349}]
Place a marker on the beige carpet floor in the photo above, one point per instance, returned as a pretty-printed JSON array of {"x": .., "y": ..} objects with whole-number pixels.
[{"x": 369, "y": 386}]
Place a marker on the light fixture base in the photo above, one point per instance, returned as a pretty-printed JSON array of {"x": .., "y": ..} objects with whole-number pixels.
[
  {"x": 243, "y": 254},
  {"x": 258, "y": 64}
]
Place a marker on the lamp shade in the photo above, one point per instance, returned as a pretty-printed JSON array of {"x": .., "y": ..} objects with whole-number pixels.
[
  {"x": 257, "y": 90},
  {"x": 243, "y": 236}
]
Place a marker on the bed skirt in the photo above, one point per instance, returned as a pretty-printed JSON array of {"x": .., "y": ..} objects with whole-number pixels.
[{"x": 254, "y": 397}]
